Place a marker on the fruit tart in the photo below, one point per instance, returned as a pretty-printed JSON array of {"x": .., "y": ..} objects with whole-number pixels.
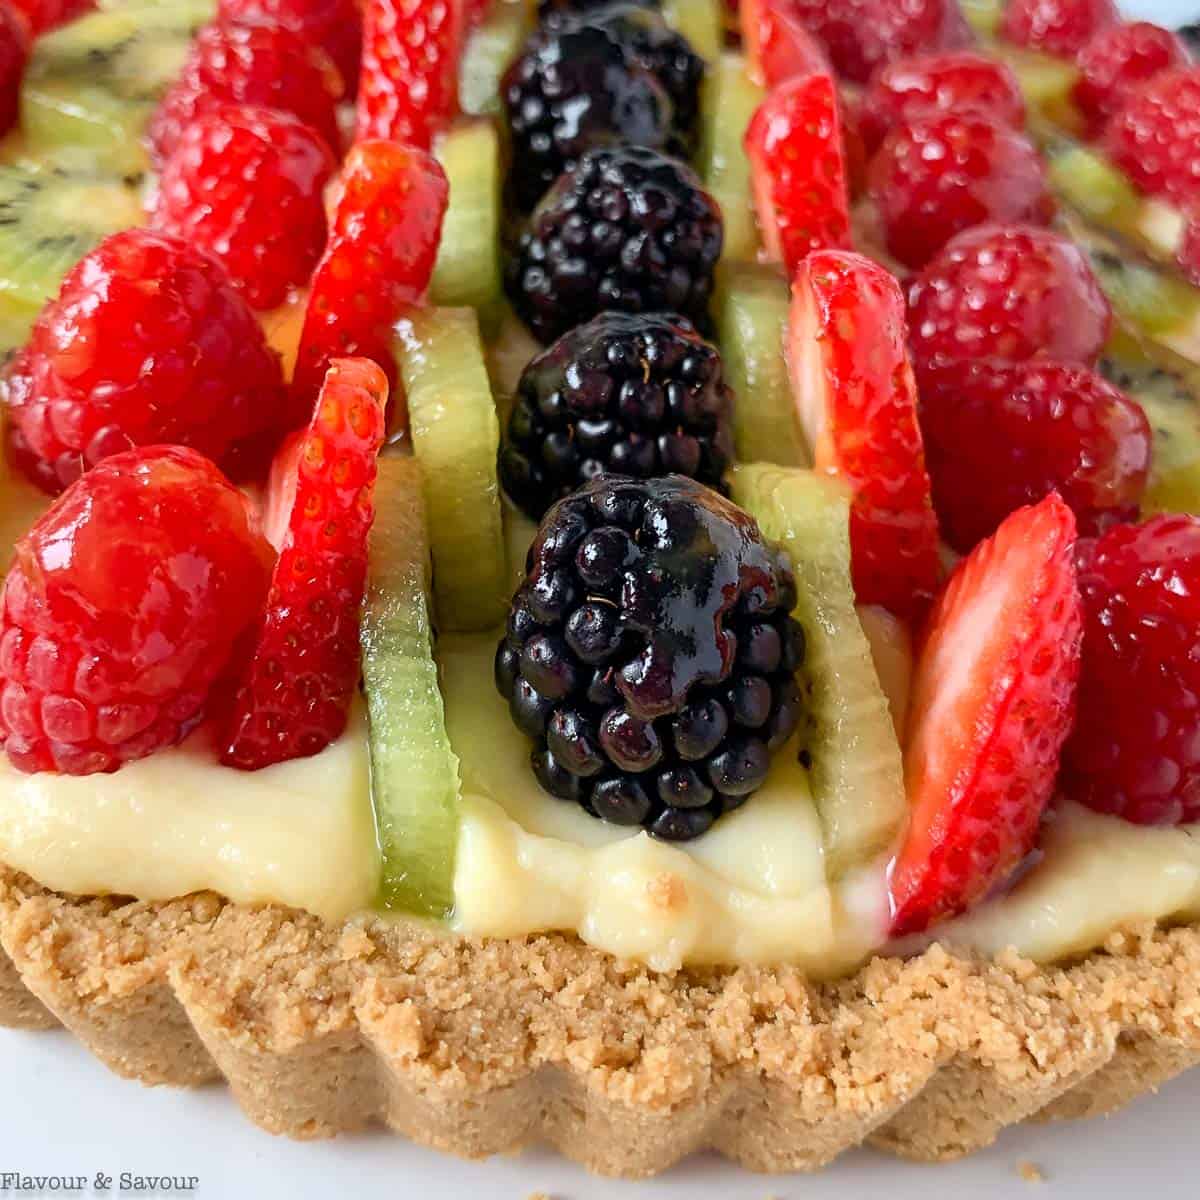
[{"x": 613, "y": 574}]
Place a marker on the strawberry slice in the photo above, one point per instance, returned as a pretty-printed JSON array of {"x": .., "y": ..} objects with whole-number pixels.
[
  {"x": 382, "y": 246},
  {"x": 408, "y": 86},
  {"x": 778, "y": 47},
  {"x": 303, "y": 667},
  {"x": 798, "y": 168},
  {"x": 993, "y": 700},
  {"x": 854, "y": 391}
]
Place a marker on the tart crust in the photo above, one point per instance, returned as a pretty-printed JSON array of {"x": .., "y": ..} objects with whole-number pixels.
[{"x": 480, "y": 1047}]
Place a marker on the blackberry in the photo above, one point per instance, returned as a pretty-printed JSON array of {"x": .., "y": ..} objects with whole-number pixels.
[
  {"x": 650, "y": 655},
  {"x": 626, "y": 229},
  {"x": 577, "y": 85},
  {"x": 634, "y": 395},
  {"x": 1191, "y": 35}
]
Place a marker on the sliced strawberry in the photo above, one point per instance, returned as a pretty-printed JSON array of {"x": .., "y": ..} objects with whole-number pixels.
[
  {"x": 854, "y": 390},
  {"x": 798, "y": 167},
  {"x": 382, "y": 246},
  {"x": 993, "y": 700},
  {"x": 303, "y": 667},
  {"x": 408, "y": 87},
  {"x": 778, "y": 47},
  {"x": 1188, "y": 254}
]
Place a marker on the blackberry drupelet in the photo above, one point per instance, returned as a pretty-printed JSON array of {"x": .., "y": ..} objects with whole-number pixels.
[
  {"x": 633, "y": 395},
  {"x": 650, "y": 655},
  {"x": 577, "y": 85},
  {"x": 626, "y": 229}
]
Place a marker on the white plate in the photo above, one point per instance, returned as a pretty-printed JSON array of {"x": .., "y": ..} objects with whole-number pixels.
[{"x": 63, "y": 1114}]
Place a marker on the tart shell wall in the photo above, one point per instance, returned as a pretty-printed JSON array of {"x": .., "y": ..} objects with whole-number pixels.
[{"x": 479, "y": 1047}]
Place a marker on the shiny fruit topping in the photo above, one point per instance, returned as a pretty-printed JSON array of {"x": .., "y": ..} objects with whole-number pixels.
[
  {"x": 1009, "y": 292},
  {"x": 14, "y": 50},
  {"x": 937, "y": 175},
  {"x": 265, "y": 65},
  {"x": 1188, "y": 255},
  {"x": 1134, "y": 751},
  {"x": 861, "y": 36},
  {"x": 854, "y": 391},
  {"x": 1002, "y": 435},
  {"x": 121, "y": 610},
  {"x": 44, "y": 15},
  {"x": 147, "y": 342},
  {"x": 383, "y": 243},
  {"x": 798, "y": 168},
  {"x": 778, "y": 47},
  {"x": 268, "y": 236},
  {"x": 1116, "y": 62},
  {"x": 302, "y": 670},
  {"x": 1059, "y": 27},
  {"x": 408, "y": 90},
  {"x": 957, "y": 81},
  {"x": 992, "y": 702},
  {"x": 1155, "y": 137}
]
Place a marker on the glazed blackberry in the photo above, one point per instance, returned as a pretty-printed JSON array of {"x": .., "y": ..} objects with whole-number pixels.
[
  {"x": 1191, "y": 35},
  {"x": 632, "y": 395},
  {"x": 650, "y": 655},
  {"x": 577, "y": 85},
  {"x": 626, "y": 229}
]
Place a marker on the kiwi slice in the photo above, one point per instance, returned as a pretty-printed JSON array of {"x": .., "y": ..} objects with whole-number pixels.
[
  {"x": 414, "y": 772},
  {"x": 984, "y": 17},
  {"x": 467, "y": 274},
  {"x": 728, "y": 100},
  {"x": 91, "y": 86},
  {"x": 752, "y": 324},
  {"x": 49, "y": 219},
  {"x": 1091, "y": 185},
  {"x": 1047, "y": 84},
  {"x": 456, "y": 436},
  {"x": 489, "y": 50},
  {"x": 852, "y": 753},
  {"x": 701, "y": 22}
]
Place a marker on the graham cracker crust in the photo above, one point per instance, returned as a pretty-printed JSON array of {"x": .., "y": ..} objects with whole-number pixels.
[{"x": 480, "y": 1047}]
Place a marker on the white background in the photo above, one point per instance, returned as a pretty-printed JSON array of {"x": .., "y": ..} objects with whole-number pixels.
[{"x": 62, "y": 1113}]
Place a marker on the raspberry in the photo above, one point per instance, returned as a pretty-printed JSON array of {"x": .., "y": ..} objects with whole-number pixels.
[
  {"x": 861, "y": 36},
  {"x": 266, "y": 65},
  {"x": 14, "y": 50},
  {"x": 626, "y": 229},
  {"x": 268, "y": 236},
  {"x": 1134, "y": 751},
  {"x": 1116, "y": 62},
  {"x": 958, "y": 81},
  {"x": 1061, "y": 27},
  {"x": 303, "y": 667},
  {"x": 635, "y": 395},
  {"x": 147, "y": 342},
  {"x": 382, "y": 247},
  {"x": 1155, "y": 137},
  {"x": 650, "y": 655},
  {"x": 122, "y": 608},
  {"x": 578, "y": 84},
  {"x": 334, "y": 25},
  {"x": 935, "y": 176},
  {"x": 1002, "y": 435},
  {"x": 1008, "y": 292},
  {"x": 409, "y": 85}
]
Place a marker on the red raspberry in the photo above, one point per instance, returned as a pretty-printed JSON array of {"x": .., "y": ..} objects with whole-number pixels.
[
  {"x": 1061, "y": 27},
  {"x": 1155, "y": 138},
  {"x": 121, "y": 609},
  {"x": 411, "y": 51},
  {"x": 1116, "y": 62},
  {"x": 1188, "y": 254},
  {"x": 264, "y": 65},
  {"x": 147, "y": 342},
  {"x": 14, "y": 50},
  {"x": 1134, "y": 751},
  {"x": 43, "y": 15},
  {"x": 303, "y": 669},
  {"x": 269, "y": 236},
  {"x": 382, "y": 247},
  {"x": 1002, "y": 435},
  {"x": 861, "y": 36},
  {"x": 938, "y": 175},
  {"x": 959, "y": 81},
  {"x": 334, "y": 25},
  {"x": 1009, "y": 292}
]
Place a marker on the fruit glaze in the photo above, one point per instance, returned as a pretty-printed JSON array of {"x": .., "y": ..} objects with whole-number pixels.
[{"x": 715, "y": 482}]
